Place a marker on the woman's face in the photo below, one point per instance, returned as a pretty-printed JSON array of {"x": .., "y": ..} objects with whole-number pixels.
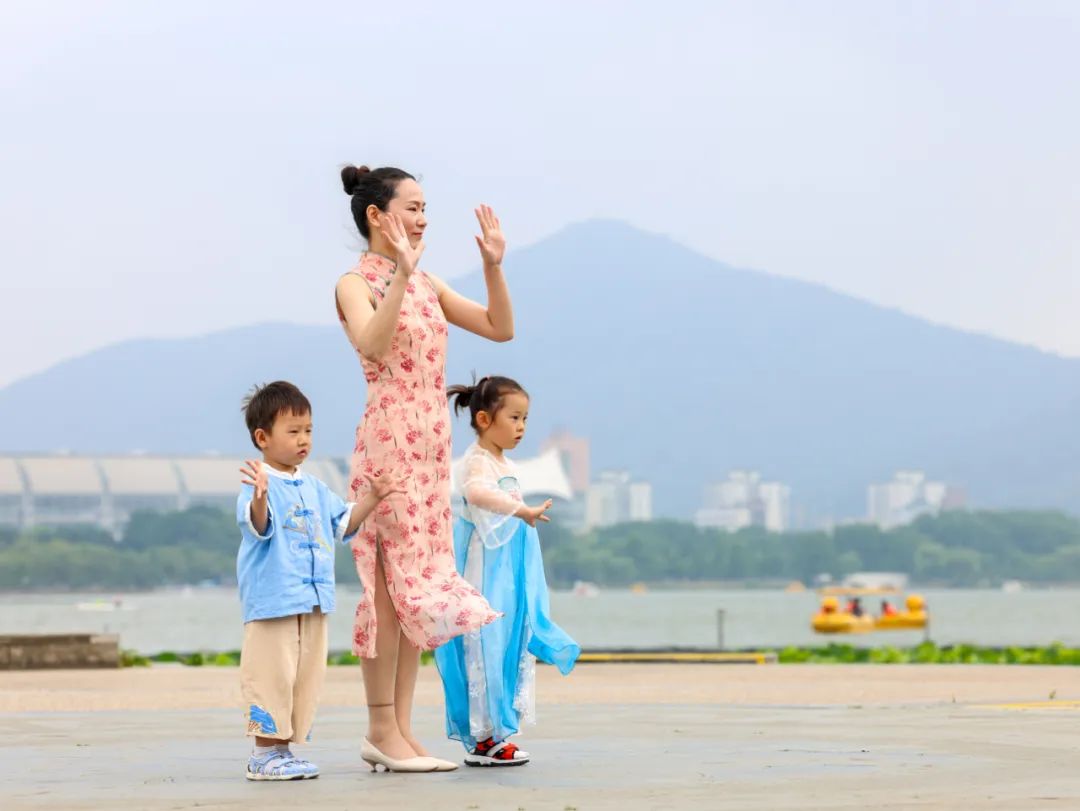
[{"x": 408, "y": 203}]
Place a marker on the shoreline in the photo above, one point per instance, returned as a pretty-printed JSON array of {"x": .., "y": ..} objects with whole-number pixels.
[{"x": 662, "y": 587}]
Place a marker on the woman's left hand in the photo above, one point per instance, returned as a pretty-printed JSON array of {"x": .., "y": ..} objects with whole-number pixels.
[{"x": 492, "y": 243}]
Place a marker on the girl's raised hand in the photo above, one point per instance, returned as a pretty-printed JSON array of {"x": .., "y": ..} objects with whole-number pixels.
[
  {"x": 492, "y": 243},
  {"x": 407, "y": 256},
  {"x": 254, "y": 473},
  {"x": 535, "y": 514}
]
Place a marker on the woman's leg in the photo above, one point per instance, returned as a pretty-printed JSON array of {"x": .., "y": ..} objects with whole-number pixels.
[
  {"x": 408, "y": 667},
  {"x": 379, "y": 675}
]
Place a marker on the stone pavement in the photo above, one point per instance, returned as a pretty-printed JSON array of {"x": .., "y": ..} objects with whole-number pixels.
[{"x": 905, "y": 743}]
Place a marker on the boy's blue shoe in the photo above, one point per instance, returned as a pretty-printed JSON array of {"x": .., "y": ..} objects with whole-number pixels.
[
  {"x": 310, "y": 769},
  {"x": 279, "y": 765}
]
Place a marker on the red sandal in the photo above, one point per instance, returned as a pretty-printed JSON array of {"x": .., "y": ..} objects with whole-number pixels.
[{"x": 490, "y": 753}]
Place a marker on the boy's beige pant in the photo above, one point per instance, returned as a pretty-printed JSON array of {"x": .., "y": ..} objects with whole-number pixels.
[{"x": 282, "y": 668}]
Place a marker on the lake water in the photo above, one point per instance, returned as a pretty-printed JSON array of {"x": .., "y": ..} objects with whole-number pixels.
[{"x": 209, "y": 619}]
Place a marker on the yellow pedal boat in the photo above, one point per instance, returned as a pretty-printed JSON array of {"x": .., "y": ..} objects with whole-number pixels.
[{"x": 829, "y": 619}]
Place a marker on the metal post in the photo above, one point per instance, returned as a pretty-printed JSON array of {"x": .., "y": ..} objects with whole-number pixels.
[{"x": 720, "y": 629}]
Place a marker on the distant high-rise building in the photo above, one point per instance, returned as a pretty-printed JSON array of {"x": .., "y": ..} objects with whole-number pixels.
[
  {"x": 744, "y": 500},
  {"x": 615, "y": 499},
  {"x": 908, "y": 496},
  {"x": 574, "y": 452},
  {"x": 775, "y": 501},
  {"x": 640, "y": 507},
  {"x": 731, "y": 519}
]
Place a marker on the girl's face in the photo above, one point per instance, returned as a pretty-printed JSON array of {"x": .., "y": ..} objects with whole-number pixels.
[
  {"x": 408, "y": 203},
  {"x": 508, "y": 427}
]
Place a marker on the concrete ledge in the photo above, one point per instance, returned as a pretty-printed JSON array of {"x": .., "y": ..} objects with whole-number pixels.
[{"x": 59, "y": 651}]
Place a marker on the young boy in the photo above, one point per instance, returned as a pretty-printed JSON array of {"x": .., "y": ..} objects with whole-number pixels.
[{"x": 285, "y": 569}]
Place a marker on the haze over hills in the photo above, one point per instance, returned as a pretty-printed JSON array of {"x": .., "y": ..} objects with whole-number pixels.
[{"x": 676, "y": 367}]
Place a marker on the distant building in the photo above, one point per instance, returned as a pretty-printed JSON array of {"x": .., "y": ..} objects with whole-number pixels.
[
  {"x": 731, "y": 519},
  {"x": 744, "y": 500},
  {"x": 106, "y": 490},
  {"x": 540, "y": 478},
  {"x": 614, "y": 498},
  {"x": 908, "y": 496},
  {"x": 640, "y": 507},
  {"x": 574, "y": 454},
  {"x": 55, "y": 490}
]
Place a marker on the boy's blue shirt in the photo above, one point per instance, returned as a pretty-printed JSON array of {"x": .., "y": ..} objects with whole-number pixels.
[{"x": 289, "y": 569}]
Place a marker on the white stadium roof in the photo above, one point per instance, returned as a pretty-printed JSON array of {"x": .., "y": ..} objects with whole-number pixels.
[
  {"x": 11, "y": 482},
  {"x": 62, "y": 475},
  {"x": 326, "y": 470},
  {"x": 541, "y": 475},
  {"x": 212, "y": 476},
  {"x": 138, "y": 475},
  {"x": 133, "y": 475}
]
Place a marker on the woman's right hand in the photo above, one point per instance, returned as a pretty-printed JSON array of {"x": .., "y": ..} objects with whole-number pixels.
[{"x": 407, "y": 256}]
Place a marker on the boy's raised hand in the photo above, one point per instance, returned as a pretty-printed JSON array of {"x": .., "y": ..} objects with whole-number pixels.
[
  {"x": 254, "y": 473},
  {"x": 386, "y": 484},
  {"x": 534, "y": 514}
]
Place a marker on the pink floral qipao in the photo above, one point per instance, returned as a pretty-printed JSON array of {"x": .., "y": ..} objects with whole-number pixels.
[{"x": 406, "y": 430}]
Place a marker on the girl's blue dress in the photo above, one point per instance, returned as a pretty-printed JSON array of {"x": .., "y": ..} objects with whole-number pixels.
[{"x": 488, "y": 675}]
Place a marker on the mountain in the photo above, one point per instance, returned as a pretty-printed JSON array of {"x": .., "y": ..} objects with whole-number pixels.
[{"x": 677, "y": 367}]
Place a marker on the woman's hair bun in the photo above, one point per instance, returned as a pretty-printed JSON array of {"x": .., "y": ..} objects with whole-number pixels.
[{"x": 350, "y": 177}]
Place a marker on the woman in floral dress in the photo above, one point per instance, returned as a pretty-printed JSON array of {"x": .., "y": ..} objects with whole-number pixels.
[{"x": 396, "y": 317}]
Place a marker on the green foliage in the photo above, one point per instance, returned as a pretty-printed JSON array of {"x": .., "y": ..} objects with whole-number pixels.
[
  {"x": 130, "y": 658},
  {"x": 230, "y": 658},
  {"x": 833, "y": 654},
  {"x": 203, "y": 527},
  {"x": 157, "y": 549},
  {"x": 953, "y": 549},
  {"x": 928, "y": 653}
]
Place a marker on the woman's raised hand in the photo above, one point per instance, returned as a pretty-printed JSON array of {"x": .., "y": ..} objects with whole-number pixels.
[
  {"x": 407, "y": 255},
  {"x": 492, "y": 243}
]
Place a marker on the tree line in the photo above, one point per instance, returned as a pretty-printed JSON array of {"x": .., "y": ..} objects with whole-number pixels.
[{"x": 964, "y": 548}]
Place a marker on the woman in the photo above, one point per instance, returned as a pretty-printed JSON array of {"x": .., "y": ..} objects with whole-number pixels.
[{"x": 396, "y": 318}]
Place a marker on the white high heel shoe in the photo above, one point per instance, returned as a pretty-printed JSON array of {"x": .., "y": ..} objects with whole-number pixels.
[
  {"x": 444, "y": 765},
  {"x": 374, "y": 758}
]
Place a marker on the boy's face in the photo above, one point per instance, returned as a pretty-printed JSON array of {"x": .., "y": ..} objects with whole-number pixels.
[
  {"x": 288, "y": 442},
  {"x": 508, "y": 427}
]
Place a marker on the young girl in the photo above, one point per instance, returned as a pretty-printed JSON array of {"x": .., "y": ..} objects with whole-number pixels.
[{"x": 488, "y": 675}]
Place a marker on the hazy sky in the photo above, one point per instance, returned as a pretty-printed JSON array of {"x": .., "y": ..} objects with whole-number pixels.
[{"x": 168, "y": 171}]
